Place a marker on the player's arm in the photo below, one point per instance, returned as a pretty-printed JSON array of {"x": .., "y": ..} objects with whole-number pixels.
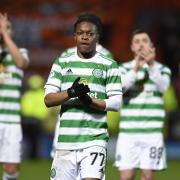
[
  {"x": 161, "y": 79},
  {"x": 98, "y": 104},
  {"x": 128, "y": 79},
  {"x": 55, "y": 98},
  {"x": 53, "y": 94},
  {"x": 111, "y": 104},
  {"x": 141, "y": 58},
  {"x": 17, "y": 57}
]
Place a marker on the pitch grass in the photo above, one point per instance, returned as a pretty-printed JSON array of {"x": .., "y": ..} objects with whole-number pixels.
[{"x": 40, "y": 170}]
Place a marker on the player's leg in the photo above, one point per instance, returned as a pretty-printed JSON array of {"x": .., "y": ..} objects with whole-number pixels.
[
  {"x": 90, "y": 179},
  {"x": 147, "y": 174},
  {"x": 153, "y": 156},
  {"x": 92, "y": 163},
  {"x": 64, "y": 165},
  {"x": 11, "y": 171},
  {"x": 11, "y": 151},
  {"x": 79, "y": 178},
  {"x": 127, "y": 156},
  {"x": 128, "y": 174}
]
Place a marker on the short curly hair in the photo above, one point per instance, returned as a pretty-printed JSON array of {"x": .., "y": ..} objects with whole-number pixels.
[{"x": 89, "y": 17}]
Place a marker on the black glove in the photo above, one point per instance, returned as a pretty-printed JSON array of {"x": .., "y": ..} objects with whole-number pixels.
[
  {"x": 86, "y": 99},
  {"x": 77, "y": 90}
]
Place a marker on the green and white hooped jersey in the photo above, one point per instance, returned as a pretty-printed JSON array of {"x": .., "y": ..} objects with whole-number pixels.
[
  {"x": 142, "y": 110},
  {"x": 82, "y": 126},
  {"x": 10, "y": 85}
]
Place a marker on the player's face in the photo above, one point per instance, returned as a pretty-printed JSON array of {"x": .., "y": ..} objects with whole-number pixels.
[
  {"x": 140, "y": 42},
  {"x": 86, "y": 37}
]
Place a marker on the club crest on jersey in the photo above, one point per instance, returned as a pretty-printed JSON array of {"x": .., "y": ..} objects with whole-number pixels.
[
  {"x": 52, "y": 74},
  {"x": 97, "y": 73},
  {"x": 53, "y": 173}
]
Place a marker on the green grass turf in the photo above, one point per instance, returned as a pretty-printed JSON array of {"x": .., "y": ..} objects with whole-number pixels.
[
  {"x": 39, "y": 170},
  {"x": 171, "y": 173}
]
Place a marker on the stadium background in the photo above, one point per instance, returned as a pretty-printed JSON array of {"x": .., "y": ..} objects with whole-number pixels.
[{"x": 45, "y": 28}]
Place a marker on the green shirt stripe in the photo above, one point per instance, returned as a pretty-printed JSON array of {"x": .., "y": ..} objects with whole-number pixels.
[
  {"x": 141, "y": 118},
  {"x": 82, "y": 138},
  {"x": 82, "y": 124},
  {"x": 9, "y": 87},
  {"x": 82, "y": 109},
  {"x": 6, "y": 111},
  {"x": 9, "y": 99},
  {"x": 144, "y": 106},
  {"x": 141, "y": 130},
  {"x": 9, "y": 122}
]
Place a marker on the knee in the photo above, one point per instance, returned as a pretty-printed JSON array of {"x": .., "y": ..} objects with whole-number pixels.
[
  {"x": 147, "y": 176},
  {"x": 126, "y": 177},
  {"x": 90, "y": 179},
  {"x": 11, "y": 168}
]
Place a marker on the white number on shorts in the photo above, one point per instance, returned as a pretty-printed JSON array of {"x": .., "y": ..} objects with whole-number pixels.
[{"x": 95, "y": 154}]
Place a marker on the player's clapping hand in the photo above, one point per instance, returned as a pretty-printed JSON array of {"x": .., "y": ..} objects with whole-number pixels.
[
  {"x": 77, "y": 89},
  {"x": 86, "y": 99},
  {"x": 148, "y": 55},
  {"x": 151, "y": 56},
  {"x": 3, "y": 23}
]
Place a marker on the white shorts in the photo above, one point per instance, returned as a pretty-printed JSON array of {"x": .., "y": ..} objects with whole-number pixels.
[
  {"x": 78, "y": 164},
  {"x": 10, "y": 143},
  {"x": 140, "y": 151}
]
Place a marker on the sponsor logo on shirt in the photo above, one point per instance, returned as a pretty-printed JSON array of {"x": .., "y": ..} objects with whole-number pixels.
[
  {"x": 83, "y": 81},
  {"x": 3, "y": 74},
  {"x": 2, "y": 68}
]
